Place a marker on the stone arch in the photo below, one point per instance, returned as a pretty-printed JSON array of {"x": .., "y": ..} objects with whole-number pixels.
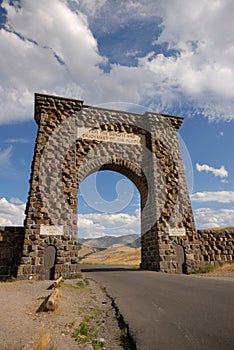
[
  {"x": 127, "y": 168},
  {"x": 75, "y": 140}
]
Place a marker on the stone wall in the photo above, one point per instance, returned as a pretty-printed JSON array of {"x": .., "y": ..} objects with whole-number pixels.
[
  {"x": 217, "y": 245},
  {"x": 11, "y": 243}
]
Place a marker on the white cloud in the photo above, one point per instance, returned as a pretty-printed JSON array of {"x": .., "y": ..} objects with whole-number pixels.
[
  {"x": 114, "y": 14},
  {"x": 89, "y": 6},
  {"x": 5, "y": 155},
  {"x": 134, "y": 53},
  {"x": 101, "y": 224},
  {"x": 224, "y": 181},
  {"x": 11, "y": 213},
  {"x": 16, "y": 201},
  {"x": 208, "y": 218},
  {"x": 203, "y": 66},
  {"x": 222, "y": 172},
  {"x": 18, "y": 140},
  {"x": 5, "y": 161},
  {"x": 49, "y": 47},
  {"x": 219, "y": 196},
  {"x": 64, "y": 33}
]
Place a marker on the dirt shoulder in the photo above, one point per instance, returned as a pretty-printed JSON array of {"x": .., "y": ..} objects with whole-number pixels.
[{"x": 82, "y": 304}]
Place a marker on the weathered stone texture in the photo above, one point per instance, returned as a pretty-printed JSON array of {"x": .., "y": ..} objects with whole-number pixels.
[
  {"x": 217, "y": 245},
  {"x": 50, "y": 114},
  {"x": 11, "y": 244}
]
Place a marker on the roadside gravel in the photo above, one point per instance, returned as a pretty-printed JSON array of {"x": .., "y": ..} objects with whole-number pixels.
[{"x": 80, "y": 301}]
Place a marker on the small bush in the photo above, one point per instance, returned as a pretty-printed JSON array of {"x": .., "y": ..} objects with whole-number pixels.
[
  {"x": 83, "y": 333},
  {"x": 97, "y": 345},
  {"x": 83, "y": 283}
]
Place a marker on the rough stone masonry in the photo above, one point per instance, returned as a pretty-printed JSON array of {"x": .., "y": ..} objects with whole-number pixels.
[{"x": 75, "y": 140}]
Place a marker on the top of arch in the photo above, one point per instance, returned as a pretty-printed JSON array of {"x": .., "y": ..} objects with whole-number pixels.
[{"x": 44, "y": 102}]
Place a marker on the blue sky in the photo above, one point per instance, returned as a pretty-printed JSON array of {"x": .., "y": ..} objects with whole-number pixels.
[{"x": 173, "y": 57}]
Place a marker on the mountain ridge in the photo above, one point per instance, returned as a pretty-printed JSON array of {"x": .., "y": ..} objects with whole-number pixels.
[{"x": 104, "y": 242}]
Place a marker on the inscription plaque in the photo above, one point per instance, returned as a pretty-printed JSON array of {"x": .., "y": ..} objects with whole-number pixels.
[
  {"x": 51, "y": 230},
  {"x": 177, "y": 231},
  {"x": 110, "y": 136}
]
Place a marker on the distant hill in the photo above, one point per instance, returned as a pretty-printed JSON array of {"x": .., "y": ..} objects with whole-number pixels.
[
  {"x": 85, "y": 251},
  {"x": 136, "y": 243},
  {"x": 116, "y": 254},
  {"x": 104, "y": 242},
  {"x": 111, "y": 250}
]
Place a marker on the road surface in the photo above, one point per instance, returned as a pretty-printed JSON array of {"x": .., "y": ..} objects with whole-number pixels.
[{"x": 170, "y": 312}]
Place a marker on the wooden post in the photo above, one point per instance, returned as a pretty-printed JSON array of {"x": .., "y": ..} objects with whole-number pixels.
[
  {"x": 52, "y": 301},
  {"x": 56, "y": 283}
]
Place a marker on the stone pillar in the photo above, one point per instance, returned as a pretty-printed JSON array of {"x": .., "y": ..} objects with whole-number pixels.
[
  {"x": 174, "y": 222},
  {"x": 51, "y": 212}
]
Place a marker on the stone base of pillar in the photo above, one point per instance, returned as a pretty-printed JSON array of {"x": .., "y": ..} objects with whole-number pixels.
[{"x": 37, "y": 272}]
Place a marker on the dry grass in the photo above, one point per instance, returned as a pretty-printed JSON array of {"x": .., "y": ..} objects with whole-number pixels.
[
  {"x": 226, "y": 267},
  {"x": 219, "y": 228},
  {"x": 117, "y": 254},
  {"x": 43, "y": 340},
  {"x": 86, "y": 250},
  {"x": 223, "y": 270}
]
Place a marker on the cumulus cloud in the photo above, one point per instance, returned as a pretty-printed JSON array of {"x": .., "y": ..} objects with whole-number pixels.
[
  {"x": 65, "y": 34},
  {"x": 198, "y": 71},
  {"x": 200, "y": 33},
  {"x": 208, "y": 218},
  {"x": 219, "y": 196},
  {"x": 97, "y": 225},
  {"x": 49, "y": 47},
  {"x": 222, "y": 172},
  {"x": 11, "y": 212}
]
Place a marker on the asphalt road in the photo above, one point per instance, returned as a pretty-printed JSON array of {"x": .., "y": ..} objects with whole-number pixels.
[{"x": 170, "y": 312}]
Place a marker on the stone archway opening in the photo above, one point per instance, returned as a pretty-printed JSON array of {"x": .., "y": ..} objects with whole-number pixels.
[{"x": 109, "y": 219}]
